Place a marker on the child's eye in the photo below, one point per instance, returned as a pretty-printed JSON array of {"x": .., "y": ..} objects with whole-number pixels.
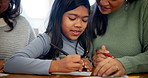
[
  {"x": 113, "y": 0},
  {"x": 85, "y": 20},
  {"x": 72, "y": 19}
]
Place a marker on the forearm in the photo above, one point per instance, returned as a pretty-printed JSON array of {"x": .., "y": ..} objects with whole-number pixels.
[
  {"x": 27, "y": 66},
  {"x": 135, "y": 64},
  {"x": 54, "y": 66}
]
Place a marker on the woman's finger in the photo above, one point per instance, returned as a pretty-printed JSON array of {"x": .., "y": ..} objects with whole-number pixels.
[
  {"x": 111, "y": 70},
  {"x": 99, "y": 66}
]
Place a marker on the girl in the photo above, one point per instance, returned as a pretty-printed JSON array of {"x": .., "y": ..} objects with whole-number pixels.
[{"x": 66, "y": 30}]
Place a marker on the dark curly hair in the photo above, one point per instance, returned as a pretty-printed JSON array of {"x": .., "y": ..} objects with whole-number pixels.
[{"x": 11, "y": 13}]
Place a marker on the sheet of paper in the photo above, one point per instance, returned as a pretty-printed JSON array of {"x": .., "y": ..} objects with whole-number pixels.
[
  {"x": 75, "y": 73},
  {"x": 90, "y": 77},
  {"x": 2, "y": 74},
  {"x": 124, "y": 76}
]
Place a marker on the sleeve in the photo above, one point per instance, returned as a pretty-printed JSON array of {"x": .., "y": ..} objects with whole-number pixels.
[
  {"x": 139, "y": 63},
  {"x": 32, "y": 35},
  {"x": 30, "y": 30},
  {"x": 26, "y": 60}
]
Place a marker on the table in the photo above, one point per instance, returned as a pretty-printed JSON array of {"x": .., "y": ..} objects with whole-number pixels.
[{"x": 145, "y": 75}]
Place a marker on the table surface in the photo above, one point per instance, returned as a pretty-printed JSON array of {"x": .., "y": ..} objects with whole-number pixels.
[{"x": 145, "y": 75}]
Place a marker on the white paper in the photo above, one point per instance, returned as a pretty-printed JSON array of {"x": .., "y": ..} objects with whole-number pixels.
[
  {"x": 2, "y": 74},
  {"x": 125, "y": 76},
  {"x": 90, "y": 77},
  {"x": 75, "y": 73}
]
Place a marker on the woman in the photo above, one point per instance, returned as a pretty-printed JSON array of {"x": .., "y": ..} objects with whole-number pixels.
[
  {"x": 66, "y": 30},
  {"x": 15, "y": 31},
  {"x": 122, "y": 26}
]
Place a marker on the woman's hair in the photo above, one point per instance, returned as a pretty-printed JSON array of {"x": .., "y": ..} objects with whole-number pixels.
[
  {"x": 55, "y": 22},
  {"x": 98, "y": 22},
  {"x": 130, "y": 1},
  {"x": 11, "y": 13}
]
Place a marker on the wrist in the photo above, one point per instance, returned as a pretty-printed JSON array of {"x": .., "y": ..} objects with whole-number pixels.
[{"x": 53, "y": 66}]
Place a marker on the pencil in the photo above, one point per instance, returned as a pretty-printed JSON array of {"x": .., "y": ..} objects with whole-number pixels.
[
  {"x": 107, "y": 55},
  {"x": 54, "y": 46},
  {"x": 65, "y": 53}
]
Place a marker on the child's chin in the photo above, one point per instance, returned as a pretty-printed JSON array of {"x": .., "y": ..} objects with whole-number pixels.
[{"x": 74, "y": 38}]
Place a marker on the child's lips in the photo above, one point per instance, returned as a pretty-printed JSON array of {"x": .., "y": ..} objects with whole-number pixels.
[{"x": 76, "y": 32}]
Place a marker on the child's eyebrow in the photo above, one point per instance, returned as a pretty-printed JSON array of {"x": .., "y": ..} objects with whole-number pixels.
[
  {"x": 76, "y": 15},
  {"x": 85, "y": 16},
  {"x": 72, "y": 14}
]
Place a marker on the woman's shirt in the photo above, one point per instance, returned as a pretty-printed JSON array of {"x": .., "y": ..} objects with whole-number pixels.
[
  {"x": 127, "y": 36},
  {"x": 19, "y": 37},
  {"x": 27, "y": 60}
]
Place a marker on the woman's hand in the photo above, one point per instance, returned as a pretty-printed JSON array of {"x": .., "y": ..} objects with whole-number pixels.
[
  {"x": 2, "y": 62},
  {"x": 1, "y": 68},
  {"x": 99, "y": 56},
  {"x": 87, "y": 65},
  {"x": 69, "y": 63},
  {"x": 109, "y": 67}
]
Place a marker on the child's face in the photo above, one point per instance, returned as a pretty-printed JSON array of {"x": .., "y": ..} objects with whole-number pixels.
[{"x": 74, "y": 22}]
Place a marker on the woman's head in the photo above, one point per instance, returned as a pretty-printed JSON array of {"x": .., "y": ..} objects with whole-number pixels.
[
  {"x": 66, "y": 12},
  {"x": 109, "y": 6},
  {"x": 4, "y": 4},
  {"x": 9, "y": 10}
]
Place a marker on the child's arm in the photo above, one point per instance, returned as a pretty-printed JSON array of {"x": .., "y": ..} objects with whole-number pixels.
[{"x": 27, "y": 60}]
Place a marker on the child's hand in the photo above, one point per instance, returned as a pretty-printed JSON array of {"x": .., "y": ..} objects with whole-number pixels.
[
  {"x": 69, "y": 63},
  {"x": 87, "y": 65}
]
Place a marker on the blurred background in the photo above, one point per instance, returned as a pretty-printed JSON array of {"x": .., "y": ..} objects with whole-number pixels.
[{"x": 37, "y": 12}]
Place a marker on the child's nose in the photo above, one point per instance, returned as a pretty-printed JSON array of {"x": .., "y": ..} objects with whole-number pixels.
[{"x": 78, "y": 23}]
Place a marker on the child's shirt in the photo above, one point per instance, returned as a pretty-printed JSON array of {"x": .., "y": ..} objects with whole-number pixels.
[{"x": 27, "y": 60}]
